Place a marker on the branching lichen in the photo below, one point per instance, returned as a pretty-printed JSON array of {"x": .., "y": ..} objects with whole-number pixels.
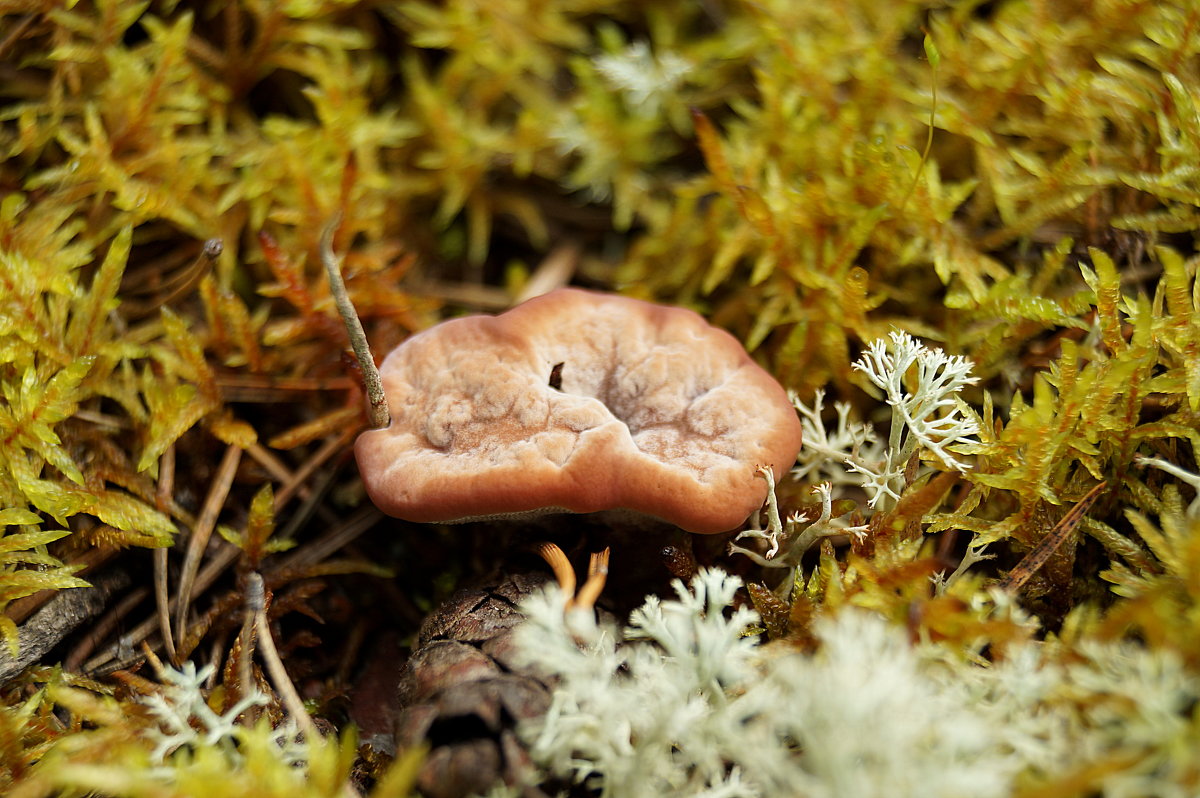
[{"x": 691, "y": 706}]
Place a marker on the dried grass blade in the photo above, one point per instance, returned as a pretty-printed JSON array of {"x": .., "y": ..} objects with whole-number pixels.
[
  {"x": 300, "y": 477},
  {"x": 202, "y": 531},
  {"x": 162, "y": 595}
]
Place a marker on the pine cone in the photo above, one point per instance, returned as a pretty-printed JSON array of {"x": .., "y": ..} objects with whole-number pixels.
[{"x": 460, "y": 693}]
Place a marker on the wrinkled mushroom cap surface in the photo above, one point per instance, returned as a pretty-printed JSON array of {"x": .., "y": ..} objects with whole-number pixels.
[{"x": 657, "y": 411}]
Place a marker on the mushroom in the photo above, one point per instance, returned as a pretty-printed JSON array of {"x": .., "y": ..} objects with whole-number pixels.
[
  {"x": 572, "y": 401},
  {"x": 577, "y": 401}
]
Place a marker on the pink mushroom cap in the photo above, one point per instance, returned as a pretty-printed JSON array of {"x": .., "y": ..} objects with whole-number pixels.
[{"x": 577, "y": 401}]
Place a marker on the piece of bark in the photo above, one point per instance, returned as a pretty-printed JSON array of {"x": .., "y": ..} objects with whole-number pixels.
[{"x": 58, "y": 618}]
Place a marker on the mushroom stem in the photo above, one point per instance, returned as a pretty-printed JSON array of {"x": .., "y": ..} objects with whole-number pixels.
[{"x": 378, "y": 415}]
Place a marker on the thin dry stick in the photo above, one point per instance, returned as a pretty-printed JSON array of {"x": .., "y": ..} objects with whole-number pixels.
[
  {"x": 162, "y": 595},
  {"x": 313, "y": 552},
  {"x": 177, "y": 285},
  {"x": 300, "y": 477},
  {"x": 1040, "y": 553},
  {"x": 295, "y": 483},
  {"x": 308, "y": 554},
  {"x": 256, "y": 603},
  {"x": 162, "y": 601},
  {"x": 378, "y": 415},
  {"x": 350, "y": 653},
  {"x": 554, "y": 271},
  {"x": 560, "y": 565},
  {"x": 476, "y": 297},
  {"x": 102, "y": 628},
  {"x": 594, "y": 586},
  {"x": 17, "y": 32},
  {"x": 275, "y": 467},
  {"x": 208, "y": 574},
  {"x": 257, "y": 388},
  {"x": 202, "y": 531},
  {"x": 101, "y": 419},
  {"x": 313, "y": 504},
  {"x": 216, "y": 648}
]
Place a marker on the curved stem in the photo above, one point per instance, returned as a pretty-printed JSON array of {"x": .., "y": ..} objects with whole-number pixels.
[
  {"x": 594, "y": 586},
  {"x": 560, "y": 565}
]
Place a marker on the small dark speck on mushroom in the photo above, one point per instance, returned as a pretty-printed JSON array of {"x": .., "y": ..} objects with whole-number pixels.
[{"x": 556, "y": 376}]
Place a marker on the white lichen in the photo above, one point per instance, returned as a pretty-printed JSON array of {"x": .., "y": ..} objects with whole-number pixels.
[
  {"x": 930, "y": 416},
  {"x": 975, "y": 553},
  {"x": 645, "y": 79},
  {"x": 825, "y": 454},
  {"x": 627, "y": 718},
  {"x": 1193, "y": 509},
  {"x": 185, "y": 720},
  {"x": 683, "y": 703},
  {"x": 692, "y": 706},
  {"x": 787, "y": 541},
  {"x": 921, "y": 385}
]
